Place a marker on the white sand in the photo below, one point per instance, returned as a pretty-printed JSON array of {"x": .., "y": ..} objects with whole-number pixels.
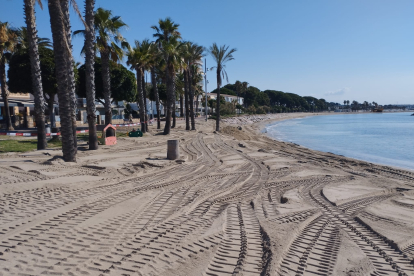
[{"x": 238, "y": 203}]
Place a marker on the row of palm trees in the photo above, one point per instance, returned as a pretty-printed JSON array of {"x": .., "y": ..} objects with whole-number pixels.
[
  {"x": 355, "y": 105},
  {"x": 169, "y": 60}
]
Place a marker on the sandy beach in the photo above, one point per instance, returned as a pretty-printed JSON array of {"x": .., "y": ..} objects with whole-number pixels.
[{"x": 235, "y": 203}]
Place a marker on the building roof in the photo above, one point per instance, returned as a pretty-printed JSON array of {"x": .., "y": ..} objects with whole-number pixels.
[
  {"x": 224, "y": 95},
  {"x": 20, "y": 102}
]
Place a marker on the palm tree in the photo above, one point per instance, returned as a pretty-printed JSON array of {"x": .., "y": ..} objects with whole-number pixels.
[
  {"x": 111, "y": 45},
  {"x": 186, "y": 95},
  {"x": 90, "y": 72},
  {"x": 8, "y": 42},
  {"x": 70, "y": 62},
  {"x": 153, "y": 61},
  {"x": 64, "y": 75},
  {"x": 35, "y": 72},
  {"x": 179, "y": 87},
  {"x": 197, "y": 82},
  {"x": 355, "y": 105},
  {"x": 194, "y": 56},
  {"x": 43, "y": 44},
  {"x": 167, "y": 29},
  {"x": 138, "y": 57},
  {"x": 244, "y": 87},
  {"x": 221, "y": 56},
  {"x": 168, "y": 41},
  {"x": 23, "y": 37},
  {"x": 184, "y": 73}
]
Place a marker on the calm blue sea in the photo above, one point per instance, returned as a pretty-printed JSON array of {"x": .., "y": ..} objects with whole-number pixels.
[{"x": 383, "y": 138}]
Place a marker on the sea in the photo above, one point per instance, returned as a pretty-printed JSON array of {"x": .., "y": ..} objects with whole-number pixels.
[{"x": 382, "y": 138}]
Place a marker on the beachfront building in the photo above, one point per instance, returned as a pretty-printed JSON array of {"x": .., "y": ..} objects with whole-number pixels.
[
  {"x": 227, "y": 98},
  {"x": 199, "y": 106},
  {"x": 21, "y": 109}
]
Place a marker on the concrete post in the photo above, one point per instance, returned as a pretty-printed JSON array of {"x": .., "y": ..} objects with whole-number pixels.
[
  {"x": 173, "y": 149},
  {"x": 26, "y": 113},
  {"x": 80, "y": 116}
]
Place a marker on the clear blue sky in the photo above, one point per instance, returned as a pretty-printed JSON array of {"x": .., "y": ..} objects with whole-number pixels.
[{"x": 337, "y": 50}]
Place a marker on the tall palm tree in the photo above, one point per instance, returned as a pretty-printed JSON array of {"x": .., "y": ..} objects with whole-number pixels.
[
  {"x": 195, "y": 54},
  {"x": 185, "y": 84},
  {"x": 111, "y": 45},
  {"x": 244, "y": 87},
  {"x": 179, "y": 87},
  {"x": 39, "y": 100},
  {"x": 172, "y": 50},
  {"x": 70, "y": 62},
  {"x": 167, "y": 29},
  {"x": 186, "y": 96},
  {"x": 153, "y": 62},
  {"x": 90, "y": 72},
  {"x": 197, "y": 82},
  {"x": 221, "y": 56},
  {"x": 138, "y": 57},
  {"x": 8, "y": 42},
  {"x": 63, "y": 57},
  {"x": 167, "y": 36}
]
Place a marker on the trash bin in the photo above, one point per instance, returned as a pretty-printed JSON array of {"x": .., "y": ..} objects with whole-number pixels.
[
  {"x": 47, "y": 129},
  {"x": 173, "y": 149}
]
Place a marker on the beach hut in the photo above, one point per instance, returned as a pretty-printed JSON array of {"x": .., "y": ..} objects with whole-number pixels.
[{"x": 108, "y": 134}]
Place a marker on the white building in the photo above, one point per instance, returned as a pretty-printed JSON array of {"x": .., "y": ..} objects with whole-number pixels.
[{"x": 227, "y": 98}]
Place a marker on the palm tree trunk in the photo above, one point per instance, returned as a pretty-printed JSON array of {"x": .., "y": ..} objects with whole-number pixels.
[
  {"x": 187, "y": 111},
  {"x": 70, "y": 63},
  {"x": 191, "y": 96},
  {"x": 174, "y": 100},
  {"x": 106, "y": 78},
  {"x": 170, "y": 102},
  {"x": 61, "y": 50},
  {"x": 157, "y": 96},
  {"x": 51, "y": 109},
  {"x": 218, "y": 101},
  {"x": 5, "y": 93},
  {"x": 141, "y": 100},
  {"x": 90, "y": 73},
  {"x": 37, "y": 87},
  {"x": 181, "y": 105},
  {"x": 144, "y": 93},
  {"x": 198, "y": 97}
]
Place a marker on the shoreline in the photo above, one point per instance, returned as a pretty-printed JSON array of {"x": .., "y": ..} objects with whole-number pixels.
[{"x": 262, "y": 125}]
